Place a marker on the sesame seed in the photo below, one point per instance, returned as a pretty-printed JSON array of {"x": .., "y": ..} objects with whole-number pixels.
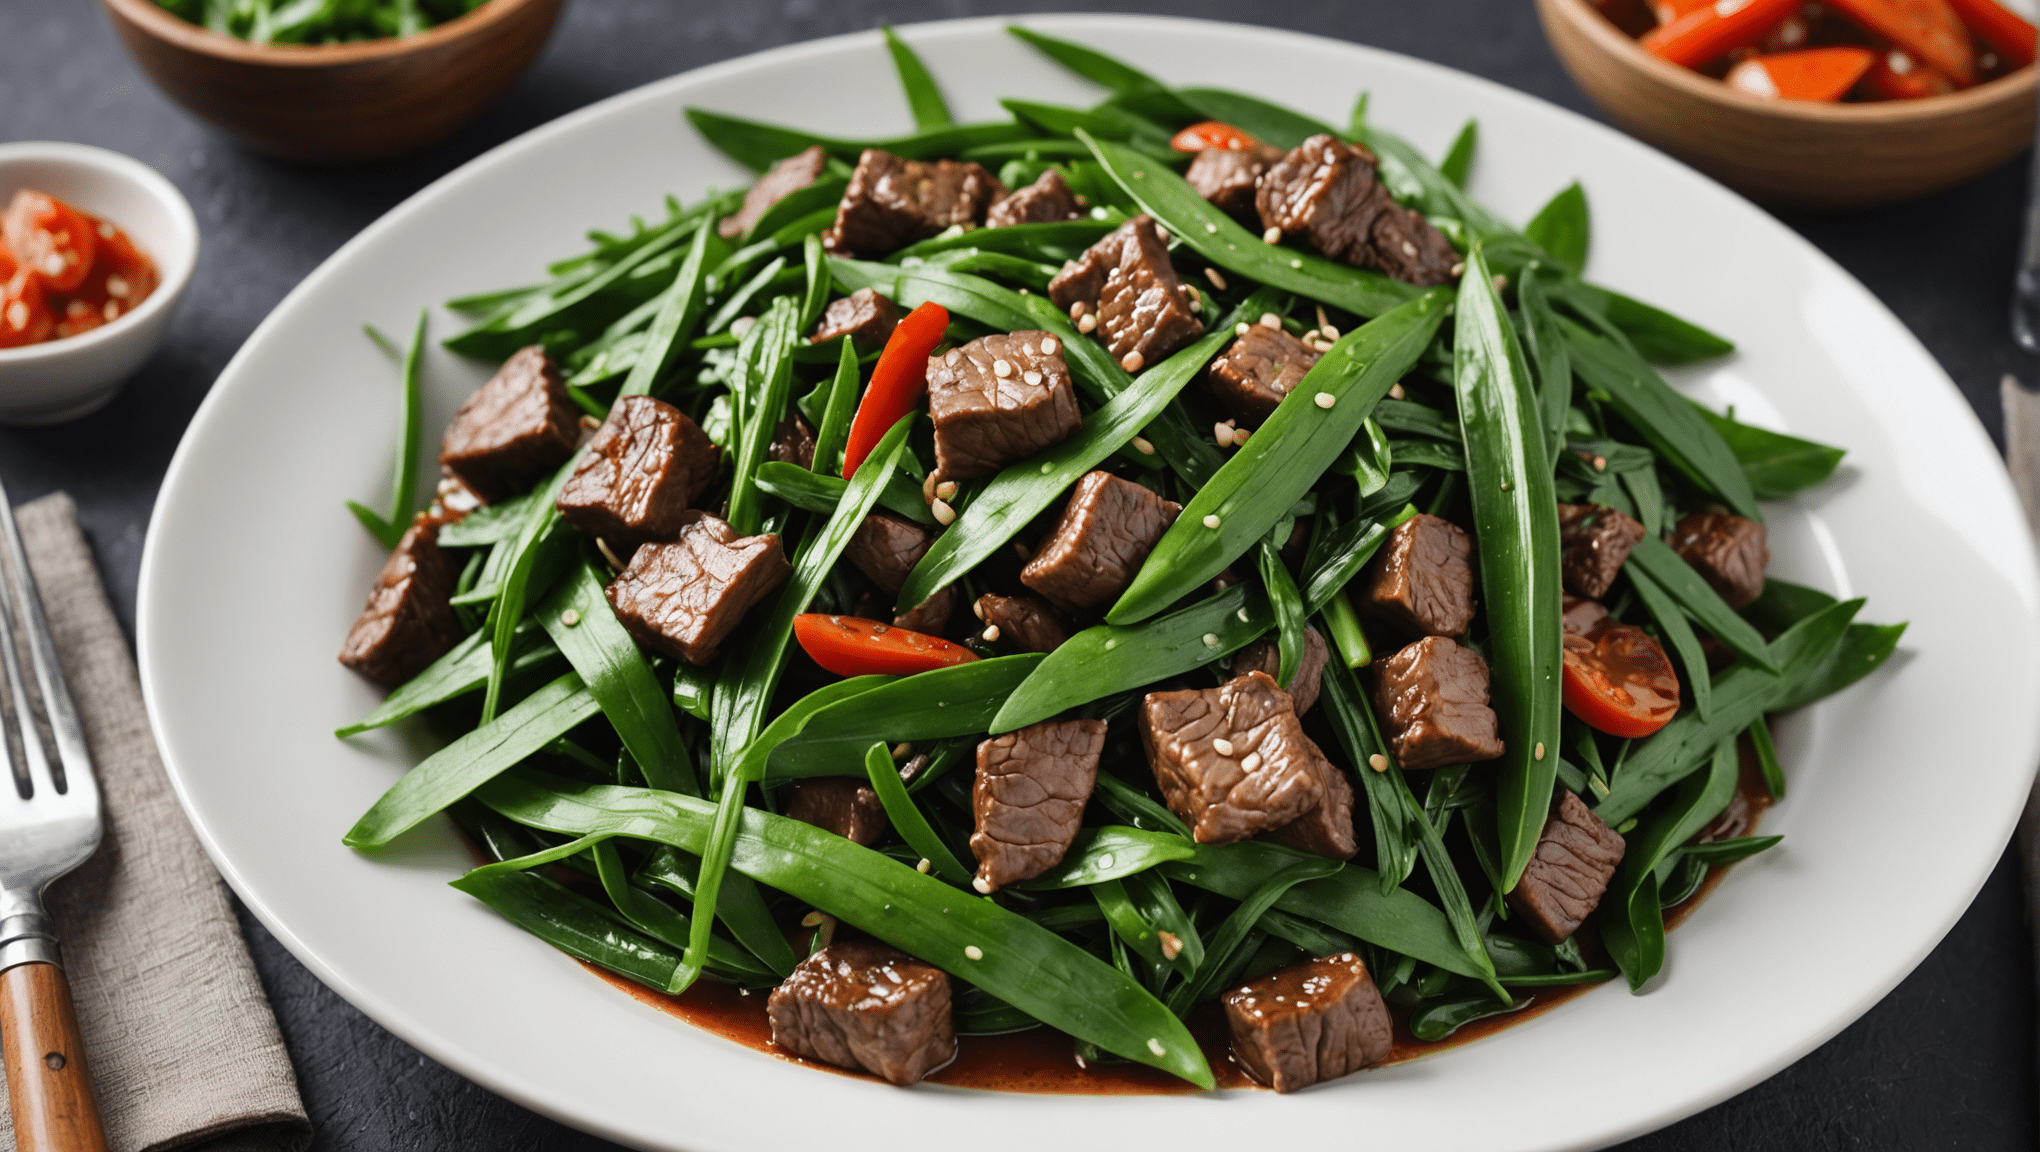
[
  {"x": 1271, "y": 320},
  {"x": 105, "y": 230},
  {"x": 991, "y": 634},
  {"x": 1239, "y": 437},
  {"x": 1048, "y": 345},
  {"x": 1409, "y": 249},
  {"x": 1196, "y": 305},
  {"x": 1211, "y": 228},
  {"x": 1272, "y": 236},
  {"x": 954, "y": 358},
  {"x": 1600, "y": 463},
  {"x": 978, "y": 606},
  {"x": 1325, "y": 399},
  {"x": 1088, "y": 323},
  {"x": 1111, "y": 644},
  {"x": 1002, "y": 368},
  {"x": 1172, "y": 944},
  {"x": 946, "y": 490},
  {"x": 54, "y": 266},
  {"x": 902, "y": 750},
  {"x": 1243, "y": 617},
  {"x": 741, "y": 325},
  {"x": 1222, "y": 434},
  {"x": 1298, "y": 263},
  {"x": 1538, "y": 754},
  {"x": 1330, "y": 333},
  {"x": 1378, "y": 762},
  {"x": 1077, "y": 310},
  {"x": 1132, "y": 361},
  {"x": 1211, "y": 520},
  {"x": 1099, "y": 213},
  {"x": 1457, "y": 269},
  {"x": 1155, "y": 1046},
  {"x": 925, "y": 866},
  {"x": 570, "y": 617},
  {"x": 1143, "y": 445},
  {"x": 1395, "y": 392},
  {"x": 17, "y": 315},
  {"x": 112, "y": 309},
  {"x": 1505, "y": 485},
  {"x": 944, "y": 514},
  {"x": 117, "y": 285},
  {"x": 1240, "y": 329},
  {"x": 973, "y": 951},
  {"x": 1031, "y": 376},
  {"x": 1252, "y": 761},
  {"x": 1211, "y": 639},
  {"x": 984, "y": 887},
  {"x": 1216, "y": 277},
  {"x": 1222, "y": 746}
]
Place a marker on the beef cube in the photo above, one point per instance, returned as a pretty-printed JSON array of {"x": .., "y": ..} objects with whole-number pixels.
[
  {"x": 1326, "y": 829},
  {"x": 1029, "y": 798},
  {"x": 685, "y": 598},
  {"x": 1581, "y": 616},
  {"x": 409, "y": 621},
  {"x": 514, "y": 430},
  {"x": 840, "y": 804},
  {"x": 451, "y": 499},
  {"x": 793, "y": 442},
  {"x": 865, "y": 316},
  {"x": 931, "y": 616},
  {"x": 861, "y": 1004},
  {"x": 1422, "y": 581},
  {"x": 1265, "y": 655},
  {"x": 1232, "y": 761},
  {"x": 1227, "y": 177},
  {"x": 1595, "y": 541},
  {"x": 783, "y": 179},
  {"x": 999, "y": 399},
  {"x": 1327, "y": 191},
  {"x": 1408, "y": 248},
  {"x": 1313, "y": 1021},
  {"x": 1107, "y": 530},
  {"x": 892, "y": 202},
  {"x": 1260, "y": 368},
  {"x": 1433, "y": 699},
  {"x": 1728, "y": 551},
  {"x": 1046, "y": 201},
  {"x": 642, "y": 469},
  {"x": 1567, "y": 875},
  {"x": 1126, "y": 285},
  {"x": 1026, "y": 623},
  {"x": 886, "y": 548}
]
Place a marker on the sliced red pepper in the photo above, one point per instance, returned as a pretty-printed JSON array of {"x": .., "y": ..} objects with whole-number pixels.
[
  {"x": 1213, "y": 134},
  {"x": 1618, "y": 681},
  {"x": 1895, "y": 75},
  {"x": 122, "y": 277},
  {"x": 51, "y": 238},
  {"x": 850, "y": 646},
  {"x": 1928, "y": 30},
  {"x": 2007, "y": 32},
  {"x": 1819, "y": 74},
  {"x": 1706, "y": 32},
  {"x": 897, "y": 382},
  {"x": 24, "y": 311}
]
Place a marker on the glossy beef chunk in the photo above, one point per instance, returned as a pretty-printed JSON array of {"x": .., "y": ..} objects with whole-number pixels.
[
  {"x": 686, "y": 597},
  {"x": 1326, "y": 829},
  {"x": 643, "y": 468},
  {"x": 1432, "y": 698},
  {"x": 1728, "y": 551},
  {"x": 999, "y": 399},
  {"x": 1023, "y": 622},
  {"x": 1264, "y": 655},
  {"x": 790, "y": 175},
  {"x": 865, "y": 316},
  {"x": 1326, "y": 190},
  {"x": 409, "y": 621},
  {"x": 1581, "y": 616},
  {"x": 1313, "y": 1021},
  {"x": 514, "y": 430},
  {"x": 793, "y": 442},
  {"x": 1227, "y": 177},
  {"x": 931, "y": 615},
  {"x": 1046, "y": 201},
  {"x": 892, "y": 202},
  {"x": 1595, "y": 541},
  {"x": 840, "y": 804},
  {"x": 1107, "y": 530},
  {"x": 886, "y": 548},
  {"x": 1250, "y": 378},
  {"x": 1231, "y": 761},
  {"x": 1029, "y": 798},
  {"x": 1575, "y": 858},
  {"x": 862, "y": 1004},
  {"x": 1421, "y": 583},
  {"x": 1126, "y": 286}
]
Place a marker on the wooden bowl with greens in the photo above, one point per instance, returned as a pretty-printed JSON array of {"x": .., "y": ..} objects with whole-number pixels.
[{"x": 334, "y": 81}]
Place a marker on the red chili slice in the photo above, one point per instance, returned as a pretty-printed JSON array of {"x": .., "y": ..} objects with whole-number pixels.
[
  {"x": 51, "y": 238},
  {"x": 1618, "y": 680},
  {"x": 1213, "y": 134},
  {"x": 850, "y": 646},
  {"x": 897, "y": 382}
]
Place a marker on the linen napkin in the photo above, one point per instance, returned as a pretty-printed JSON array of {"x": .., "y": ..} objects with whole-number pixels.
[{"x": 184, "y": 1050}]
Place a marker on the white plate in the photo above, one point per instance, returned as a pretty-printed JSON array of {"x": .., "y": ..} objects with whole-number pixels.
[{"x": 1904, "y": 789}]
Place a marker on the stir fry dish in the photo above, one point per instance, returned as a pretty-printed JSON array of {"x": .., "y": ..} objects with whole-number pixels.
[
  {"x": 64, "y": 272},
  {"x": 1088, "y": 571}
]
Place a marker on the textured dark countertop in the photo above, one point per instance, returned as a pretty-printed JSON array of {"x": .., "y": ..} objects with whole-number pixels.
[{"x": 1947, "y": 1061}]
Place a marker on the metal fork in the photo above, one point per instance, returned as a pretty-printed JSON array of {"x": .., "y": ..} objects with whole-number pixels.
[{"x": 49, "y": 824}]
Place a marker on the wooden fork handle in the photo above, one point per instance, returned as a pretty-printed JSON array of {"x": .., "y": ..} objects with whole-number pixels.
[{"x": 48, "y": 1084}]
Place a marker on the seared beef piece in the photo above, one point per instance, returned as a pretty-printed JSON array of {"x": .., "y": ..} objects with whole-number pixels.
[
  {"x": 865, "y": 316},
  {"x": 1046, "y": 201},
  {"x": 1260, "y": 368},
  {"x": 409, "y": 621},
  {"x": 1327, "y": 190},
  {"x": 1433, "y": 699},
  {"x": 1326, "y": 829},
  {"x": 1029, "y": 798},
  {"x": 1422, "y": 581},
  {"x": 1575, "y": 858},
  {"x": 452, "y": 499},
  {"x": 1126, "y": 282},
  {"x": 1226, "y": 177},
  {"x": 685, "y": 598},
  {"x": 861, "y": 1004},
  {"x": 1595, "y": 540},
  {"x": 1107, "y": 529},
  {"x": 1313, "y": 1021},
  {"x": 1232, "y": 760},
  {"x": 931, "y": 616},
  {"x": 514, "y": 429},
  {"x": 986, "y": 419},
  {"x": 886, "y": 548},
  {"x": 646, "y": 464},
  {"x": 1582, "y": 617},
  {"x": 1022, "y": 621},
  {"x": 790, "y": 175},
  {"x": 840, "y": 804},
  {"x": 1729, "y": 551},
  {"x": 793, "y": 442},
  {"x": 892, "y": 202},
  {"x": 1265, "y": 655}
]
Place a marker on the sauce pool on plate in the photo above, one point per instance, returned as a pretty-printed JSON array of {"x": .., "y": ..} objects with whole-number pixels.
[{"x": 64, "y": 272}]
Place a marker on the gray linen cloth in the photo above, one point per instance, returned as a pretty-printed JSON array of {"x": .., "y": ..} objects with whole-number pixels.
[{"x": 183, "y": 1048}]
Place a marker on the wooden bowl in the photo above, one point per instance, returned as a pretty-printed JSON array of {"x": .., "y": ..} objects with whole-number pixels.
[
  {"x": 339, "y": 103},
  {"x": 1793, "y": 153}
]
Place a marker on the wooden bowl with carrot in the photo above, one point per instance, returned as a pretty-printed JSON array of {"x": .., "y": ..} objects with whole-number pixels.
[{"x": 1827, "y": 104}]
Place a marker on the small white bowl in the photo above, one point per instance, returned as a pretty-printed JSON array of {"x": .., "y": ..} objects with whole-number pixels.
[{"x": 62, "y": 380}]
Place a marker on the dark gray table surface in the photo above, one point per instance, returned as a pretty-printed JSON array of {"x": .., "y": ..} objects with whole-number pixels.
[{"x": 1946, "y": 1061}]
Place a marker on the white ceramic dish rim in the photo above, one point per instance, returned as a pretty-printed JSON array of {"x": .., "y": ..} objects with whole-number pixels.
[
  {"x": 175, "y": 265},
  {"x": 539, "y": 1094}
]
